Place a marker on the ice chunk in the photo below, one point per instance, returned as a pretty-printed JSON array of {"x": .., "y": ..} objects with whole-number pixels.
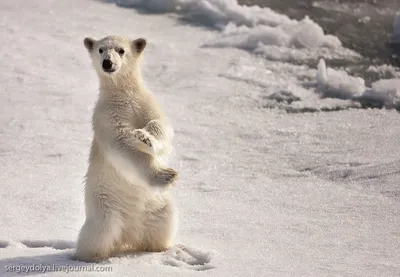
[
  {"x": 386, "y": 92},
  {"x": 308, "y": 34},
  {"x": 322, "y": 77},
  {"x": 338, "y": 84},
  {"x": 250, "y": 38}
]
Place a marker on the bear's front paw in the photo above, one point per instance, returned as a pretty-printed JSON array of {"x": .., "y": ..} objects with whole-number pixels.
[
  {"x": 165, "y": 177},
  {"x": 142, "y": 136}
]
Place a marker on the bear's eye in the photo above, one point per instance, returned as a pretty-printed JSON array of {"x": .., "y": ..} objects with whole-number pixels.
[
  {"x": 100, "y": 50},
  {"x": 121, "y": 51}
]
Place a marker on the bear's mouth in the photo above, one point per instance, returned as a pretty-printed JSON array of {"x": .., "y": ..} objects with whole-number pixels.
[{"x": 111, "y": 70}]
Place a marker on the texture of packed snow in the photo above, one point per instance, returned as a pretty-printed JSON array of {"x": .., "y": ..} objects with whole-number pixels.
[
  {"x": 255, "y": 29},
  {"x": 263, "y": 192}
]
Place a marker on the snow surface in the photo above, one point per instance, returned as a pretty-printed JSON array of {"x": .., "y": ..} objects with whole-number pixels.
[{"x": 264, "y": 192}]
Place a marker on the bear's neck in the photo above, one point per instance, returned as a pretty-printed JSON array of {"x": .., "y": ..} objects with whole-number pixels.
[{"x": 128, "y": 83}]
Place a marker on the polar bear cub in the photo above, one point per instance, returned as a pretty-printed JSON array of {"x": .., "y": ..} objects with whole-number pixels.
[{"x": 132, "y": 138}]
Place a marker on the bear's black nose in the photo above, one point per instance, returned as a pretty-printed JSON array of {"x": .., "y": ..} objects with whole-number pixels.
[{"x": 107, "y": 64}]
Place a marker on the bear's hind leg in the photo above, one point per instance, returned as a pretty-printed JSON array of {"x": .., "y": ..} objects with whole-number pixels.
[
  {"x": 98, "y": 238},
  {"x": 160, "y": 227}
]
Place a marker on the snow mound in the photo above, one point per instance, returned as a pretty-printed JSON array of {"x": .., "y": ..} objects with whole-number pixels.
[{"x": 251, "y": 28}]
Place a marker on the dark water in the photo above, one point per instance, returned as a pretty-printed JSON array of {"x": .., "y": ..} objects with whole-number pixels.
[{"x": 362, "y": 25}]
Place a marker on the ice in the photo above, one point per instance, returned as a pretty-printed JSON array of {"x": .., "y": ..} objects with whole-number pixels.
[
  {"x": 335, "y": 89},
  {"x": 384, "y": 71},
  {"x": 303, "y": 34},
  {"x": 213, "y": 13},
  {"x": 385, "y": 92},
  {"x": 322, "y": 74},
  {"x": 338, "y": 84},
  {"x": 251, "y": 28}
]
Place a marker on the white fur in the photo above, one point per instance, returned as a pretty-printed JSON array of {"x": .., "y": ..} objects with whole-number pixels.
[{"x": 123, "y": 212}]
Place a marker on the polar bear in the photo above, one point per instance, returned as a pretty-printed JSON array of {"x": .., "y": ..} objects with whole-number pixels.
[{"x": 132, "y": 138}]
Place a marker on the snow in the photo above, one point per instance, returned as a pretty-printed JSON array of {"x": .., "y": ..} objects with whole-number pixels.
[{"x": 263, "y": 192}]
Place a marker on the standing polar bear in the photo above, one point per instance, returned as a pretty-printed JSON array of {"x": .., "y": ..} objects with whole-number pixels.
[{"x": 131, "y": 139}]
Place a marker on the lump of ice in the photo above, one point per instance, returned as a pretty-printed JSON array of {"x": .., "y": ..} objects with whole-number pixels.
[
  {"x": 308, "y": 34},
  {"x": 334, "y": 90},
  {"x": 250, "y": 38},
  {"x": 254, "y": 29},
  {"x": 322, "y": 75},
  {"x": 386, "y": 92},
  {"x": 215, "y": 13},
  {"x": 338, "y": 84},
  {"x": 303, "y": 34}
]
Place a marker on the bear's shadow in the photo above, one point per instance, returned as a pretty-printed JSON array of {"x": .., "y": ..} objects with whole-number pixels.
[
  {"x": 57, "y": 262},
  {"x": 19, "y": 265}
]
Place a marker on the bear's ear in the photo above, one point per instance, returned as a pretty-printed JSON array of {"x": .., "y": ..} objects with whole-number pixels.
[
  {"x": 89, "y": 43},
  {"x": 139, "y": 44}
]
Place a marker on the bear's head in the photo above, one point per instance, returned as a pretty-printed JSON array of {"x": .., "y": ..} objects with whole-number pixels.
[{"x": 114, "y": 55}]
